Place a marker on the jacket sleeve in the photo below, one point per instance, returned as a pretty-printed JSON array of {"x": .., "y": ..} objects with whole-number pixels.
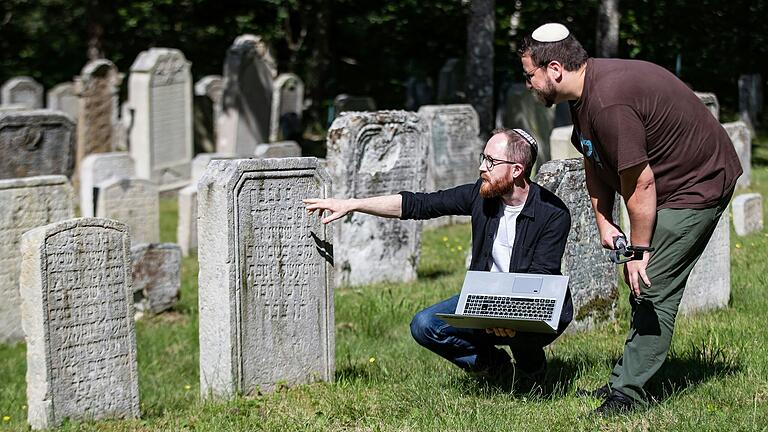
[
  {"x": 548, "y": 251},
  {"x": 455, "y": 201}
]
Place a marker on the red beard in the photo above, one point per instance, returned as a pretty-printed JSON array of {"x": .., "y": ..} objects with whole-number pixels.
[{"x": 496, "y": 188}]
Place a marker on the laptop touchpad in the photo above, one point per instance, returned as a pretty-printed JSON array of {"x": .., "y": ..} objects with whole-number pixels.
[{"x": 527, "y": 285}]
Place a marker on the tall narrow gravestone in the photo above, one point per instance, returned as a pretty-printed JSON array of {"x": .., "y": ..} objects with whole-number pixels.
[
  {"x": 265, "y": 281},
  {"x": 23, "y": 91},
  {"x": 160, "y": 91},
  {"x": 376, "y": 153},
  {"x": 97, "y": 168},
  {"x": 709, "y": 284},
  {"x": 134, "y": 202},
  {"x": 593, "y": 277},
  {"x": 207, "y": 109},
  {"x": 97, "y": 86},
  {"x": 35, "y": 143},
  {"x": 25, "y": 204},
  {"x": 741, "y": 137},
  {"x": 62, "y": 97},
  {"x": 247, "y": 99},
  {"x": 287, "y": 108},
  {"x": 77, "y": 314}
]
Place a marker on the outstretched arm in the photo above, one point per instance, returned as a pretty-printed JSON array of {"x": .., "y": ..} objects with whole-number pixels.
[{"x": 390, "y": 206}]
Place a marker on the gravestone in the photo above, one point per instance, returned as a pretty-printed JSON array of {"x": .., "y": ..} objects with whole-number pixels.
[
  {"x": 709, "y": 285},
  {"x": 418, "y": 93},
  {"x": 37, "y": 142},
  {"x": 97, "y": 168},
  {"x": 751, "y": 98},
  {"x": 160, "y": 93},
  {"x": 247, "y": 99},
  {"x": 450, "y": 82},
  {"x": 156, "y": 276},
  {"x": 287, "y": 108},
  {"x": 593, "y": 277},
  {"x": 741, "y": 137},
  {"x": 454, "y": 146},
  {"x": 278, "y": 150},
  {"x": 23, "y": 91},
  {"x": 710, "y": 100},
  {"x": 78, "y": 318},
  {"x": 371, "y": 154},
  {"x": 207, "y": 109},
  {"x": 344, "y": 102},
  {"x": 265, "y": 280},
  {"x": 522, "y": 110},
  {"x": 560, "y": 146},
  {"x": 25, "y": 204},
  {"x": 747, "y": 213},
  {"x": 134, "y": 202},
  {"x": 62, "y": 97},
  {"x": 97, "y": 86}
]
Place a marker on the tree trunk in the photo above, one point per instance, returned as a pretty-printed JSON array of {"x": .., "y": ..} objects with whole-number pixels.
[
  {"x": 607, "y": 40},
  {"x": 479, "y": 73}
]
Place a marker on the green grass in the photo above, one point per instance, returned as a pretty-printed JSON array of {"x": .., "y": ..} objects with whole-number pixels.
[{"x": 716, "y": 377}]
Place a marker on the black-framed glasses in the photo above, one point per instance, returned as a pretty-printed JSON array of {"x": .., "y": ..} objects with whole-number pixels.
[
  {"x": 529, "y": 75},
  {"x": 491, "y": 162}
]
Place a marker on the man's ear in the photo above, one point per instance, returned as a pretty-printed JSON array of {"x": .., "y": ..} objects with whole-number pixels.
[{"x": 555, "y": 70}]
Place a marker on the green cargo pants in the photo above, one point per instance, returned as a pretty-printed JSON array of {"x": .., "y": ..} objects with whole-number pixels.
[{"x": 679, "y": 238}]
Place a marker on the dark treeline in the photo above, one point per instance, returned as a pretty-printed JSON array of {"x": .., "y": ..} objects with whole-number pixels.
[{"x": 372, "y": 46}]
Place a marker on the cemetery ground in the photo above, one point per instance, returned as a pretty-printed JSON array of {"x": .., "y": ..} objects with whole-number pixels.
[{"x": 715, "y": 378}]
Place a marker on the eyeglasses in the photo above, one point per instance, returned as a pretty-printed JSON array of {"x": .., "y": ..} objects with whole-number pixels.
[
  {"x": 529, "y": 75},
  {"x": 491, "y": 162}
]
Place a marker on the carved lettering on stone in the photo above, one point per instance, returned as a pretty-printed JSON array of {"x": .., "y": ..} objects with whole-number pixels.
[{"x": 35, "y": 143}]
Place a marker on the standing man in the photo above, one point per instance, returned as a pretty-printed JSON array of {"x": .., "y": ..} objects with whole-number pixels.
[
  {"x": 517, "y": 226},
  {"x": 645, "y": 135}
]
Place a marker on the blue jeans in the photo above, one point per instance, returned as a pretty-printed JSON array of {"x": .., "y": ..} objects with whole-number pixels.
[{"x": 474, "y": 349}]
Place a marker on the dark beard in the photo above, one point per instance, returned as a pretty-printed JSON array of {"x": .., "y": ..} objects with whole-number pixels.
[
  {"x": 494, "y": 189},
  {"x": 546, "y": 95}
]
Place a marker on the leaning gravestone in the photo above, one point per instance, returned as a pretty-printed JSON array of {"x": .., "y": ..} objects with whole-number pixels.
[
  {"x": 62, "y": 97},
  {"x": 23, "y": 91},
  {"x": 156, "y": 276},
  {"x": 25, "y": 204},
  {"x": 265, "y": 281},
  {"x": 134, "y": 202},
  {"x": 452, "y": 134},
  {"x": 97, "y": 168},
  {"x": 709, "y": 284},
  {"x": 207, "y": 109},
  {"x": 747, "y": 213},
  {"x": 278, "y": 150},
  {"x": 741, "y": 137},
  {"x": 560, "y": 145},
  {"x": 370, "y": 154},
  {"x": 593, "y": 277},
  {"x": 522, "y": 110},
  {"x": 34, "y": 143},
  {"x": 710, "y": 100},
  {"x": 77, "y": 314},
  {"x": 287, "y": 107},
  {"x": 97, "y": 86},
  {"x": 160, "y": 91},
  {"x": 247, "y": 98}
]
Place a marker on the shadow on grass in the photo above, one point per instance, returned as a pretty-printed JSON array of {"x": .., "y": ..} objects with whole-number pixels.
[{"x": 433, "y": 273}]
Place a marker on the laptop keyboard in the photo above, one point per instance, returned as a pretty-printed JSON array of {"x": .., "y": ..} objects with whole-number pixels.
[{"x": 510, "y": 307}]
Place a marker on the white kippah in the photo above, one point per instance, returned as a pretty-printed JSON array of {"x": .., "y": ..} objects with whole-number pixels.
[{"x": 550, "y": 32}]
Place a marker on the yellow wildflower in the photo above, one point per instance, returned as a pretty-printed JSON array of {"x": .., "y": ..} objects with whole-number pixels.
[{"x": 372, "y": 360}]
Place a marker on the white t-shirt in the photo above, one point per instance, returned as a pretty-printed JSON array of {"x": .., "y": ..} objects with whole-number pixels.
[{"x": 505, "y": 238}]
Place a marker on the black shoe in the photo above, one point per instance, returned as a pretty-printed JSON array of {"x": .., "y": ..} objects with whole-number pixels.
[
  {"x": 599, "y": 393},
  {"x": 528, "y": 382},
  {"x": 616, "y": 403}
]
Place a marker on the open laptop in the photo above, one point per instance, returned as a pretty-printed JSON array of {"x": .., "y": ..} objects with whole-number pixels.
[{"x": 519, "y": 301}]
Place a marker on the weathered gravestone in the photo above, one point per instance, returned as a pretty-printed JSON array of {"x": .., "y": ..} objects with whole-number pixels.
[
  {"x": 751, "y": 98},
  {"x": 710, "y": 100},
  {"x": 208, "y": 93},
  {"x": 741, "y": 138},
  {"x": 747, "y": 213},
  {"x": 265, "y": 281},
  {"x": 78, "y": 318},
  {"x": 452, "y": 136},
  {"x": 160, "y": 91},
  {"x": 247, "y": 99},
  {"x": 97, "y": 86},
  {"x": 278, "y": 150},
  {"x": 450, "y": 82},
  {"x": 560, "y": 146},
  {"x": 25, "y": 204},
  {"x": 156, "y": 276},
  {"x": 287, "y": 108},
  {"x": 135, "y": 202},
  {"x": 34, "y": 143},
  {"x": 97, "y": 168},
  {"x": 62, "y": 97},
  {"x": 23, "y": 91},
  {"x": 709, "y": 285},
  {"x": 369, "y": 154},
  {"x": 593, "y": 277},
  {"x": 522, "y": 110}
]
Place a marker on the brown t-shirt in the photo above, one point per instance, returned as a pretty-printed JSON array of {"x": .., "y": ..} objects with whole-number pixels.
[{"x": 632, "y": 111}]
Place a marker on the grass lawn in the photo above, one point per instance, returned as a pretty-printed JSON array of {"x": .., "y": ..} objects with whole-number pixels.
[{"x": 716, "y": 377}]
